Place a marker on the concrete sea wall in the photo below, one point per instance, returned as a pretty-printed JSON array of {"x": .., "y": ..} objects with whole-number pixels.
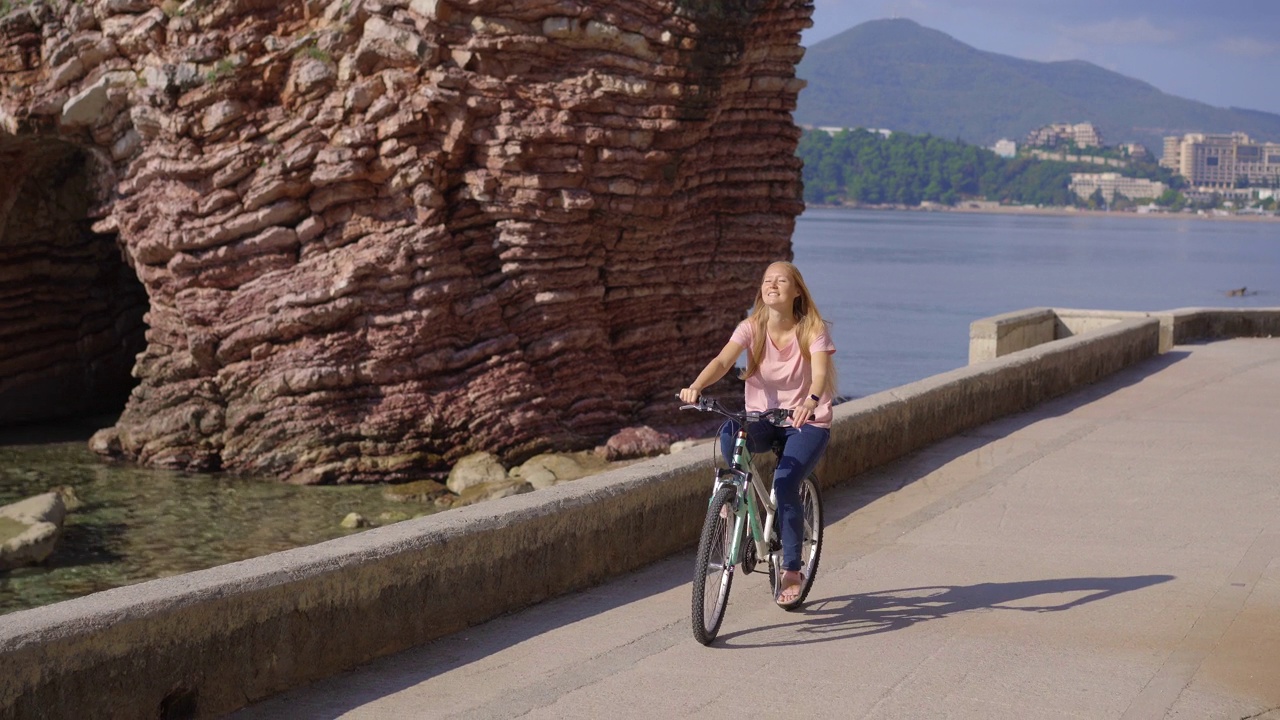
[
  {"x": 206, "y": 643},
  {"x": 1000, "y": 335}
]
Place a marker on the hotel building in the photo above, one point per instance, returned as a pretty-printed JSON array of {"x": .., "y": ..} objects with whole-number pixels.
[
  {"x": 1082, "y": 134},
  {"x": 1219, "y": 161}
]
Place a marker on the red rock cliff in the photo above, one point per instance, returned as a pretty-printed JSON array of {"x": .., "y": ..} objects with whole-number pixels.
[{"x": 377, "y": 235}]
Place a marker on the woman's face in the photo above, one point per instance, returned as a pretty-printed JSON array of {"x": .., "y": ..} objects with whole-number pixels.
[{"x": 778, "y": 288}]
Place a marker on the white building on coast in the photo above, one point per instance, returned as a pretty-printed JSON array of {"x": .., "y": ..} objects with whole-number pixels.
[
  {"x": 1085, "y": 185},
  {"x": 1005, "y": 148}
]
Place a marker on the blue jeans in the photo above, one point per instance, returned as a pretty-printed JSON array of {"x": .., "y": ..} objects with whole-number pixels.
[{"x": 802, "y": 448}]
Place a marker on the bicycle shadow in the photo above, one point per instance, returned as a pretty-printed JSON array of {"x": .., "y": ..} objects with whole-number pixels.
[{"x": 862, "y": 614}]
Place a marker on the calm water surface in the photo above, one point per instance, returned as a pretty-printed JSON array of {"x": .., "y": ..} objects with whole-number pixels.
[
  {"x": 901, "y": 288},
  {"x": 137, "y": 524}
]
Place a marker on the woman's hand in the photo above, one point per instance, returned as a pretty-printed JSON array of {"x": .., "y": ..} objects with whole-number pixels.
[
  {"x": 803, "y": 412},
  {"x": 689, "y": 395}
]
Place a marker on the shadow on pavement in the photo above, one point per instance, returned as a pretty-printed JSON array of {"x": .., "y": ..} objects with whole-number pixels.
[
  {"x": 851, "y": 616},
  {"x": 349, "y": 691}
]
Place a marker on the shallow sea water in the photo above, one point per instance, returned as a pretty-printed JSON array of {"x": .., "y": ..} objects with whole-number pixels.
[{"x": 137, "y": 524}]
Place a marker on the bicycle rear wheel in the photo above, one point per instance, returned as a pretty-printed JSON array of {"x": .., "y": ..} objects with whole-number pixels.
[
  {"x": 810, "y": 544},
  {"x": 713, "y": 569}
]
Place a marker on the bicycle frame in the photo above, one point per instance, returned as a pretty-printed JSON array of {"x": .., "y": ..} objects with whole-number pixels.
[{"x": 747, "y": 505}]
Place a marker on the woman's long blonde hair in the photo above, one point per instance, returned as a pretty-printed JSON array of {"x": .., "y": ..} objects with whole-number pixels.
[{"x": 809, "y": 325}]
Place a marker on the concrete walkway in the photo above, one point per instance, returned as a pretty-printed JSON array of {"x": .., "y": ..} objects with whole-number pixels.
[{"x": 1112, "y": 554}]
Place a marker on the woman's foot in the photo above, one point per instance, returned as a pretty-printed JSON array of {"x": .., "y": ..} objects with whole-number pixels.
[{"x": 791, "y": 583}]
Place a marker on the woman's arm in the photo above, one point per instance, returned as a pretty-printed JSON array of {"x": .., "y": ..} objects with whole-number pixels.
[
  {"x": 714, "y": 370},
  {"x": 820, "y": 366}
]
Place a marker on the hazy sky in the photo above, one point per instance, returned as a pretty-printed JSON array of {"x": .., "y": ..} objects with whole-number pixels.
[{"x": 1224, "y": 53}]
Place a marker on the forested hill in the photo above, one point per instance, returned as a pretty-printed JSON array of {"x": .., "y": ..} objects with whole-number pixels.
[
  {"x": 864, "y": 167},
  {"x": 898, "y": 75}
]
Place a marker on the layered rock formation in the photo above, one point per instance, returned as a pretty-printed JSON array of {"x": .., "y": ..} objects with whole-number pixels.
[{"x": 378, "y": 235}]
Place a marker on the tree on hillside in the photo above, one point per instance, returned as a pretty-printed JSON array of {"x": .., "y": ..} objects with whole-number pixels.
[
  {"x": 1096, "y": 201},
  {"x": 1172, "y": 199}
]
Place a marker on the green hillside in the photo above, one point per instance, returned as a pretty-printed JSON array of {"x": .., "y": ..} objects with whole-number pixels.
[
  {"x": 862, "y": 167},
  {"x": 899, "y": 75}
]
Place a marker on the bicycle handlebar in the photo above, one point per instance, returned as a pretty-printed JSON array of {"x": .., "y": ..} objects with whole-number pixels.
[{"x": 775, "y": 416}]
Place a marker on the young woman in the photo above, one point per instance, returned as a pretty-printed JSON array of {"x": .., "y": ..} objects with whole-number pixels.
[{"x": 788, "y": 366}]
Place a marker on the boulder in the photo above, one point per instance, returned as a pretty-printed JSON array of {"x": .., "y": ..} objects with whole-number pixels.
[
  {"x": 683, "y": 445},
  {"x": 635, "y": 442},
  {"x": 475, "y": 470},
  {"x": 29, "y": 530},
  {"x": 492, "y": 491},
  {"x": 549, "y": 469}
]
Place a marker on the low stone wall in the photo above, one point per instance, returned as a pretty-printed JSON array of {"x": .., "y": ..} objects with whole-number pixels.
[
  {"x": 999, "y": 335},
  {"x": 209, "y": 642},
  {"x": 1195, "y": 324}
]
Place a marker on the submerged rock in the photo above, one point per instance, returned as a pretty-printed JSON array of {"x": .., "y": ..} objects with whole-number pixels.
[
  {"x": 353, "y": 521},
  {"x": 417, "y": 491},
  {"x": 29, "y": 530}
]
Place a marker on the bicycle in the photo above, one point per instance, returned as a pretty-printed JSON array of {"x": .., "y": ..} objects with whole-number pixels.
[{"x": 740, "y": 493}]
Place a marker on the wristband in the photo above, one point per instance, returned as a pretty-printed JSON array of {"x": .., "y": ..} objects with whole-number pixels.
[{"x": 815, "y": 398}]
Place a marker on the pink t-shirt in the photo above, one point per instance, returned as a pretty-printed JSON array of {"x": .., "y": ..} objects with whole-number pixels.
[{"x": 783, "y": 378}]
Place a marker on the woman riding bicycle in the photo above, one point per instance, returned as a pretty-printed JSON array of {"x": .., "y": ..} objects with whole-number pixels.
[{"x": 788, "y": 366}]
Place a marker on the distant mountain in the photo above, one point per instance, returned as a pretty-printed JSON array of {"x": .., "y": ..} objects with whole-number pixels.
[{"x": 899, "y": 75}]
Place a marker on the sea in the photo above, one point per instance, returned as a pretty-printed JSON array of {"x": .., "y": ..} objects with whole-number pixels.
[{"x": 900, "y": 288}]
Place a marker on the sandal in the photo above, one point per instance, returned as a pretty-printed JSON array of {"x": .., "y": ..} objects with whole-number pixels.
[{"x": 790, "y": 586}]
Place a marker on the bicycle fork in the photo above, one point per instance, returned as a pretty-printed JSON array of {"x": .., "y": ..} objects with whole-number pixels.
[{"x": 739, "y": 480}]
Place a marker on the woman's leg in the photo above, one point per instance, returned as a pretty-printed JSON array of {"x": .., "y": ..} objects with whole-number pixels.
[
  {"x": 759, "y": 438},
  {"x": 803, "y": 449}
]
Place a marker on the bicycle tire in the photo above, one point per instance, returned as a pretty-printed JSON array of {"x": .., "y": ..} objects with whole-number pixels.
[
  {"x": 810, "y": 546},
  {"x": 713, "y": 571}
]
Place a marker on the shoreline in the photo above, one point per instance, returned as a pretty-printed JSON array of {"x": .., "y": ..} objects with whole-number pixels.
[{"x": 1049, "y": 211}]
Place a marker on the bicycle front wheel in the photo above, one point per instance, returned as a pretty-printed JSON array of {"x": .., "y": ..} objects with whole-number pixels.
[{"x": 713, "y": 569}]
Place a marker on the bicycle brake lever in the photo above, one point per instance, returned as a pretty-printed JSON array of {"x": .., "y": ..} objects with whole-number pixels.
[{"x": 778, "y": 416}]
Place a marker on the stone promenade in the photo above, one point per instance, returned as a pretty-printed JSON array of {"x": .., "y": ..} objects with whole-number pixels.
[{"x": 1111, "y": 554}]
